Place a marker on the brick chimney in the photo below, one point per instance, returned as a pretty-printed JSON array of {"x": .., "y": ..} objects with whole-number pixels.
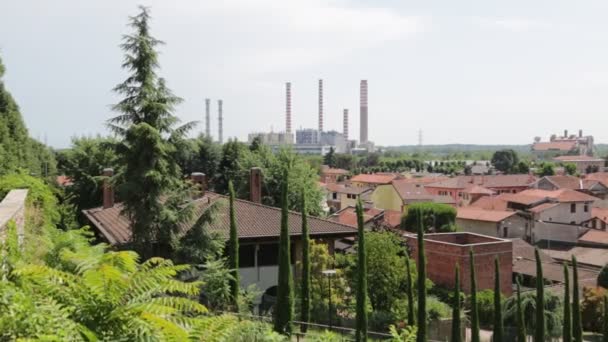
[
  {"x": 198, "y": 179},
  {"x": 255, "y": 184},
  {"x": 108, "y": 190}
]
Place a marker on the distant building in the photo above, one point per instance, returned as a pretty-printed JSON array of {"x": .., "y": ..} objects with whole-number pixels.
[
  {"x": 272, "y": 138},
  {"x": 308, "y": 136},
  {"x": 313, "y": 141},
  {"x": 588, "y": 186},
  {"x": 584, "y": 163},
  {"x": 332, "y": 175},
  {"x": 563, "y": 145}
]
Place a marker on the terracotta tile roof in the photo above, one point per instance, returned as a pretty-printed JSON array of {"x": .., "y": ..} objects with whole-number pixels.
[
  {"x": 392, "y": 218},
  {"x": 374, "y": 178},
  {"x": 487, "y": 181},
  {"x": 554, "y": 271},
  {"x": 478, "y": 190},
  {"x": 577, "y": 158},
  {"x": 600, "y": 213},
  {"x": 348, "y": 216},
  {"x": 554, "y": 146},
  {"x": 532, "y": 196},
  {"x": 601, "y": 177},
  {"x": 422, "y": 180},
  {"x": 476, "y": 214},
  {"x": 543, "y": 207},
  {"x": 343, "y": 189},
  {"x": 596, "y": 257},
  {"x": 594, "y": 236},
  {"x": 332, "y": 171},
  {"x": 491, "y": 203},
  {"x": 254, "y": 221},
  {"x": 411, "y": 191},
  {"x": 524, "y": 250}
]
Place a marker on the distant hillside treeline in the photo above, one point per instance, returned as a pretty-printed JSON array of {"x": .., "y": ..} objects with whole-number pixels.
[{"x": 474, "y": 151}]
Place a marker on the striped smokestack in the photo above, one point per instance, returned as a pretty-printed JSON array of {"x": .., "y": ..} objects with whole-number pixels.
[
  {"x": 345, "y": 128},
  {"x": 288, "y": 107},
  {"x": 363, "y": 111},
  {"x": 208, "y": 118},
  {"x": 320, "y": 105},
  {"x": 220, "y": 122}
]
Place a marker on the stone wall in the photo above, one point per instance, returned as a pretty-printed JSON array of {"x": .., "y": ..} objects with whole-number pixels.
[{"x": 12, "y": 208}]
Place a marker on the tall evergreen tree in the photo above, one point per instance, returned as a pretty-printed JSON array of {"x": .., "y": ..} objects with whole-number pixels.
[
  {"x": 233, "y": 252},
  {"x": 521, "y": 325},
  {"x": 567, "y": 326},
  {"x": 421, "y": 332},
  {"x": 456, "y": 334},
  {"x": 577, "y": 325},
  {"x": 411, "y": 321},
  {"x": 539, "y": 323},
  {"x": 150, "y": 177},
  {"x": 330, "y": 158},
  {"x": 497, "y": 335},
  {"x": 605, "y": 320},
  {"x": 361, "y": 319},
  {"x": 474, "y": 305},
  {"x": 284, "y": 304},
  {"x": 306, "y": 275}
]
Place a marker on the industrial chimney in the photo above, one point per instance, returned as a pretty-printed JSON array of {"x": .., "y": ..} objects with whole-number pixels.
[
  {"x": 320, "y": 105},
  {"x": 288, "y": 107},
  {"x": 363, "y": 111},
  {"x": 255, "y": 184},
  {"x": 207, "y": 118},
  {"x": 580, "y": 133},
  {"x": 345, "y": 123},
  {"x": 220, "y": 122}
]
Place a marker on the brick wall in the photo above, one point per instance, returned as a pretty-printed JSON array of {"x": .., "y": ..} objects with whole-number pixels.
[
  {"x": 12, "y": 208},
  {"x": 442, "y": 256}
]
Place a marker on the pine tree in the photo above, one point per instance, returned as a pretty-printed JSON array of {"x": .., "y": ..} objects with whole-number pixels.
[
  {"x": 497, "y": 336},
  {"x": 421, "y": 332},
  {"x": 361, "y": 319},
  {"x": 539, "y": 331},
  {"x": 577, "y": 326},
  {"x": 474, "y": 307},
  {"x": 233, "y": 251},
  {"x": 521, "y": 325},
  {"x": 411, "y": 321},
  {"x": 284, "y": 304},
  {"x": 567, "y": 326},
  {"x": 306, "y": 275},
  {"x": 605, "y": 321},
  {"x": 456, "y": 334}
]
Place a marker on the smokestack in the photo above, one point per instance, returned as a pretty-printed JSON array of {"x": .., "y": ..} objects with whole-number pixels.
[
  {"x": 288, "y": 107},
  {"x": 565, "y": 133},
  {"x": 580, "y": 133},
  {"x": 363, "y": 111},
  {"x": 345, "y": 128},
  {"x": 320, "y": 105},
  {"x": 208, "y": 118},
  {"x": 108, "y": 190},
  {"x": 220, "y": 122},
  {"x": 255, "y": 184},
  {"x": 199, "y": 179}
]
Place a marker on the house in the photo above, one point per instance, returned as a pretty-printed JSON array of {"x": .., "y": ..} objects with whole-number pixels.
[
  {"x": 402, "y": 192},
  {"x": 584, "y": 164},
  {"x": 466, "y": 189},
  {"x": 496, "y": 223},
  {"x": 372, "y": 217},
  {"x": 341, "y": 196},
  {"x": 373, "y": 180},
  {"x": 599, "y": 218},
  {"x": 332, "y": 175},
  {"x": 258, "y": 231},
  {"x": 601, "y": 177},
  {"x": 589, "y": 186},
  {"x": 563, "y": 145}
]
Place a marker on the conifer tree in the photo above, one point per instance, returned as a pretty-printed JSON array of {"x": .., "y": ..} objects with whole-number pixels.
[
  {"x": 521, "y": 325},
  {"x": 284, "y": 304},
  {"x": 577, "y": 326},
  {"x": 233, "y": 251},
  {"x": 605, "y": 320},
  {"x": 456, "y": 334},
  {"x": 421, "y": 332},
  {"x": 497, "y": 335},
  {"x": 567, "y": 326},
  {"x": 361, "y": 319},
  {"x": 306, "y": 275},
  {"x": 474, "y": 307},
  {"x": 411, "y": 321},
  {"x": 539, "y": 331}
]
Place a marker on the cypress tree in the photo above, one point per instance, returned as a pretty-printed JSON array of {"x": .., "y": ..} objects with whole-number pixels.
[
  {"x": 306, "y": 276},
  {"x": 567, "y": 326},
  {"x": 284, "y": 304},
  {"x": 421, "y": 332},
  {"x": 411, "y": 321},
  {"x": 361, "y": 324},
  {"x": 539, "y": 331},
  {"x": 605, "y": 321},
  {"x": 474, "y": 308},
  {"x": 233, "y": 251},
  {"x": 498, "y": 330},
  {"x": 521, "y": 325},
  {"x": 577, "y": 326},
  {"x": 456, "y": 336}
]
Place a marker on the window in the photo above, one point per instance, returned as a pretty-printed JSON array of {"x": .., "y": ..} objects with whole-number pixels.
[
  {"x": 586, "y": 207},
  {"x": 334, "y": 195},
  {"x": 573, "y": 208},
  {"x": 268, "y": 255},
  {"x": 505, "y": 231},
  {"x": 351, "y": 196},
  {"x": 246, "y": 255}
]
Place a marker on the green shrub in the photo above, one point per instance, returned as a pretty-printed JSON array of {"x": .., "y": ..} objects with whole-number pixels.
[
  {"x": 485, "y": 301},
  {"x": 436, "y": 309},
  {"x": 602, "y": 278},
  {"x": 592, "y": 308},
  {"x": 436, "y": 217},
  {"x": 40, "y": 194}
]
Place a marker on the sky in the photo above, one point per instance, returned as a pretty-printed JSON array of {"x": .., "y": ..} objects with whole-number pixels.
[{"x": 478, "y": 72}]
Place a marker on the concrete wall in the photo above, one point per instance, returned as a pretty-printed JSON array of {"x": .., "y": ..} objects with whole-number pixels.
[
  {"x": 386, "y": 197},
  {"x": 12, "y": 208},
  {"x": 516, "y": 227}
]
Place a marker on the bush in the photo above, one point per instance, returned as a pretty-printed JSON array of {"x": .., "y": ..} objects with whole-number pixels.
[
  {"x": 436, "y": 309},
  {"x": 485, "y": 301},
  {"x": 602, "y": 278},
  {"x": 436, "y": 217},
  {"x": 592, "y": 308}
]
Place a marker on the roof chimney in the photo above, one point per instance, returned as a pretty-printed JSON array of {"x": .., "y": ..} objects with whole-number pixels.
[
  {"x": 207, "y": 118},
  {"x": 255, "y": 184},
  {"x": 199, "y": 180},
  {"x": 108, "y": 190},
  {"x": 320, "y": 105},
  {"x": 220, "y": 122},
  {"x": 288, "y": 107},
  {"x": 345, "y": 123}
]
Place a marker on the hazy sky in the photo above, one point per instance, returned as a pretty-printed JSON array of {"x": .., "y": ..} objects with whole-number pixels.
[{"x": 462, "y": 71}]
